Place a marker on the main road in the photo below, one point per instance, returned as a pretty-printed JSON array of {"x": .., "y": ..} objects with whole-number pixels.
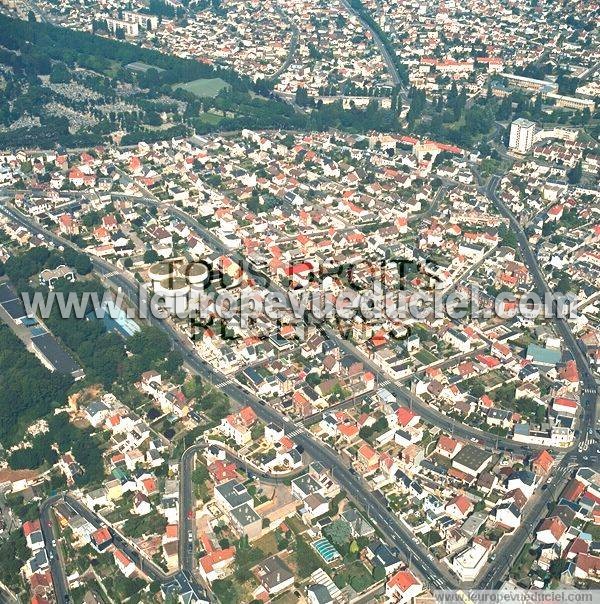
[
  {"x": 183, "y": 580},
  {"x": 187, "y": 499},
  {"x": 55, "y": 561},
  {"x": 511, "y": 545},
  {"x": 426, "y": 411},
  {"x": 376, "y": 509},
  {"x": 577, "y": 456},
  {"x": 587, "y": 379},
  {"x": 394, "y": 532},
  {"x": 387, "y": 57},
  {"x": 358, "y": 490}
]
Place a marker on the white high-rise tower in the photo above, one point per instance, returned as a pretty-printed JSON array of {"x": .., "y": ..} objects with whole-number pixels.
[{"x": 521, "y": 135}]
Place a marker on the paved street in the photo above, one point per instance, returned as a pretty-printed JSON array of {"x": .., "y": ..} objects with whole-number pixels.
[
  {"x": 391, "y": 66},
  {"x": 187, "y": 499},
  {"x": 59, "y": 578},
  {"x": 509, "y": 548},
  {"x": 426, "y": 411},
  {"x": 397, "y": 535}
]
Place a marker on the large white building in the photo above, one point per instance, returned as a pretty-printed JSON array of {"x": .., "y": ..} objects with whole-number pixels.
[
  {"x": 142, "y": 19},
  {"x": 129, "y": 29},
  {"x": 521, "y": 135},
  {"x": 468, "y": 564}
]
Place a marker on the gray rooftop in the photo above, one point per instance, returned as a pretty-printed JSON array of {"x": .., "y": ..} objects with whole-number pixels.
[{"x": 234, "y": 492}]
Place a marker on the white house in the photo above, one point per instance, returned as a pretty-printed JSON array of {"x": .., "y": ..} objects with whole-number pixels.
[
  {"x": 551, "y": 530},
  {"x": 125, "y": 565},
  {"x": 508, "y": 514},
  {"x": 468, "y": 564}
]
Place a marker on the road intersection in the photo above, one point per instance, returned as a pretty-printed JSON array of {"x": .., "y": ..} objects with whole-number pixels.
[{"x": 399, "y": 537}]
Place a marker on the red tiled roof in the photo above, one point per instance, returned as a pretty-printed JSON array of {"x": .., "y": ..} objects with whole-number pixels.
[
  {"x": 577, "y": 546},
  {"x": 101, "y": 536},
  {"x": 588, "y": 563},
  {"x": 454, "y": 473},
  {"x": 248, "y": 416},
  {"x": 122, "y": 558},
  {"x": 405, "y": 416},
  {"x": 544, "y": 460},
  {"x": 31, "y": 526},
  {"x": 462, "y": 503},
  {"x": 367, "y": 452},
  {"x": 555, "y": 525},
  {"x": 445, "y": 443},
  {"x": 573, "y": 490},
  {"x": 403, "y": 579},
  {"x": 570, "y": 373}
]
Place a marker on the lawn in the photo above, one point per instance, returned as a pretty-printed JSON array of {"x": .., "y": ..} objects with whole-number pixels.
[
  {"x": 523, "y": 564},
  {"x": 204, "y": 87},
  {"x": 493, "y": 378},
  {"x": 286, "y": 598},
  {"x": 210, "y": 118},
  {"x": 425, "y": 357},
  {"x": 356, "y": 575},
  {"x": 593, "y": 530},
  {"x": 431, "y": 538},
  {"x": 267, "y": 543},
  {"x": 296, "y": 525}
]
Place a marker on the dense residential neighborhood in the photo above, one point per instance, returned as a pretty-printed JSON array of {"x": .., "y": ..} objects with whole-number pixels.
[{"x": 301, "y": 303}]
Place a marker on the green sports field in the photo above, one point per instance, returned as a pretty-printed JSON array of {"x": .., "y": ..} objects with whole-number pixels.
[{"x": 204, "y": 87}]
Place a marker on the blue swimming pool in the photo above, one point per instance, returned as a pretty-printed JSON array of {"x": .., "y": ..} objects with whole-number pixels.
[{"x": 326, "y": 550}]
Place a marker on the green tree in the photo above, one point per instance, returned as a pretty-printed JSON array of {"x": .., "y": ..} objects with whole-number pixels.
[
  {"x": 28, "y": 391},
  {"x": 200, "y": 475},
  {"x": 91, "y": 219},
  {"x": 575, "y": 174},
  {"x": 225, "y": 590},
  {"x": 60, "y": 74},
  {"x": 151, "y": 342},
  {"x": 507, "y": 236},
  {"x": 339, "y": 533},
  {"x": 306, "y": 558},
  {"x": 302, "y": 99},
  {"x": 150, "y": 256},
  {"x": 478, "y": 389},
  {"x": 557, "y": 567},
  {"x": 564, "y": 284},
  {"x": 13, "y": 553}
]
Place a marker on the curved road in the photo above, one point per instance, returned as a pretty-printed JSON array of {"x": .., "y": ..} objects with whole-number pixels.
[
  {"x": 358, "y": 490},
  {"x": 380, "y": 45},
  {"x": 187, "y": 500},
  {"x": 396, "y": 534},
  {"x": 510, "y": 547},
  {"x": 428, "y": 412}
]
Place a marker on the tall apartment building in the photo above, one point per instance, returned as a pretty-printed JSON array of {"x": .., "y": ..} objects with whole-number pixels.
[
  {"x": 130, "y": 29},
  {"x": 521, "y": 135},
  {"x": 142, "y": 19}
]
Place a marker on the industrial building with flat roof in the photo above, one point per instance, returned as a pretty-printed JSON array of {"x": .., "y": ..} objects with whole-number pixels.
[{"x": 54, "y": 357}]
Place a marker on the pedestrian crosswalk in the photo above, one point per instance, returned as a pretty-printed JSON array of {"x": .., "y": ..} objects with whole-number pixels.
[
  {"x": 111, "y": 274},
  {"x": 295, "y": 432}
]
